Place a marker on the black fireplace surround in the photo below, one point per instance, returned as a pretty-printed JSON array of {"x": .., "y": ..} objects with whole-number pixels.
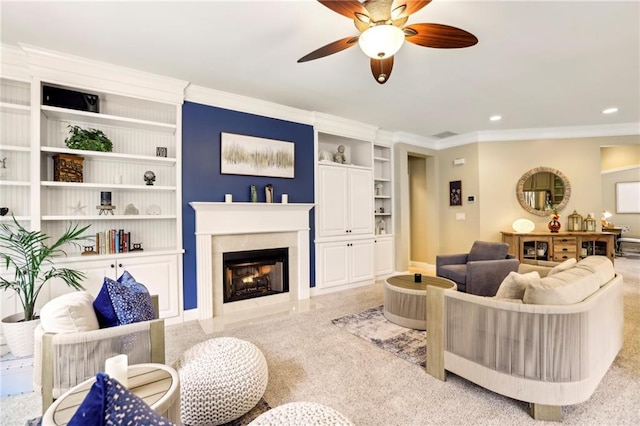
[{"x": 255, "y": 273}]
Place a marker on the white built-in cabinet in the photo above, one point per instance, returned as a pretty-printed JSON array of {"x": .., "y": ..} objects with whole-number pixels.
[
  {"x": 347, "y": 190},
  {"x": 138, "y": 113},
  {"x": 344, "y": 262},
  {"x": 345, "y": 239},
  {"x": 157, "y": 273}
]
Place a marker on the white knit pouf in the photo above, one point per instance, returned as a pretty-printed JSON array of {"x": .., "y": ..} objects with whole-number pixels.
[
  {"x": 221, "y": 379},
  {"x": 301, "y": 413}
]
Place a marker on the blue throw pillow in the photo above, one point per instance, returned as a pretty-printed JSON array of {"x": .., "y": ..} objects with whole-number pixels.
[
  {"x": 110, "y": 403},
  {"x": 123, "y": 302}
]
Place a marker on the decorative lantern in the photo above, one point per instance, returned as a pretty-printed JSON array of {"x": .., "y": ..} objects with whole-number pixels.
[
  {"x": 575, "y": 222},
  {"x": 590, "y": 223}
]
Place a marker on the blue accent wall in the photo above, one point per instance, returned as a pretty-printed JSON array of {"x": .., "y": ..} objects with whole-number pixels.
[{"x": 202, "y": 126}]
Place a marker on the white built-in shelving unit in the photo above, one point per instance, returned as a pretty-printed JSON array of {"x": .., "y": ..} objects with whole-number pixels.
[
  {"x": 383, "y": 207},
  {"x": 138, "y": 112}
]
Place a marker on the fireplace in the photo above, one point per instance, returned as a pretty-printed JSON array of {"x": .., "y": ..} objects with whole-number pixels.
[
  {"x": 255, "y": 273},
  {"x": 232, "y": 227}
]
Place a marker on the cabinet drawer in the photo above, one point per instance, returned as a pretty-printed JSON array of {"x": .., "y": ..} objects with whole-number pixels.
[
  {"x": 564, "y": 240},
  {"x": 561, "y": 257},
  {"x": 564, "y": 248}
]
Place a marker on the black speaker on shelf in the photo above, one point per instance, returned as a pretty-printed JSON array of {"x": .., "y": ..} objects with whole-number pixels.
[{"x": 65, "y": 98}]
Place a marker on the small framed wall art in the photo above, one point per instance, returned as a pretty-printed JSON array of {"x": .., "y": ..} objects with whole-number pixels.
[{"x": 455, "y": 193}]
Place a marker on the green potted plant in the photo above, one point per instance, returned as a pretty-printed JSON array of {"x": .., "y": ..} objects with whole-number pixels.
[
  {"x": 26, "y": 255},
  {"x": 88, "y": 139}
]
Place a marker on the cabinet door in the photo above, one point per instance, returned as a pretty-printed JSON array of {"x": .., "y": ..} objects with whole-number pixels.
[
  {"x": 160, "y": 275},
  {"x": 332, "y": 266},
  {"x": 332, "y": 201},
  {"x": 384, "y": 256},
  {"x": 361, "y": 260},
  {"x": 360, "y": 201}
]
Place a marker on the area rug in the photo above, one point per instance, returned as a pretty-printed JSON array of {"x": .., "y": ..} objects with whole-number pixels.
[{"x": 372, "y": 326}]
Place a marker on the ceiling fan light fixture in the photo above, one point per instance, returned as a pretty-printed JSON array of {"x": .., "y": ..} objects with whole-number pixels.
[{"x": 381, "y": 41}]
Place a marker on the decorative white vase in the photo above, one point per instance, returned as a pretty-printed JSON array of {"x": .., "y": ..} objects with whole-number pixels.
[{"x": 19, "y": 334}]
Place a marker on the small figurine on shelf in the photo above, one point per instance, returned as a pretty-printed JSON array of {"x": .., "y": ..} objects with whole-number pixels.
[
  {"x": 378, "y": 189},
  {"x": 254, "y": 194},
  {"x": 149, "y": 177},
  {"x": 88, "y": 250},
  {"x": 137, "y": 247},
  {"x": 381, "y": 226},
  {"x": 339, "y": 156}
]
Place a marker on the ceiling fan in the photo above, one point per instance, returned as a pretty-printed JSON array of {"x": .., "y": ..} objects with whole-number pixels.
[{"x": 380, "y": 23}]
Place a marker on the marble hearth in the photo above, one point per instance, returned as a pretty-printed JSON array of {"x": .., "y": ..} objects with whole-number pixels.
[{"x": 227, "y": 227}]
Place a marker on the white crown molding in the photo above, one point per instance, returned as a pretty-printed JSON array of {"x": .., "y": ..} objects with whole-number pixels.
[
  {"x": 334, "y": 125},
  {"x": 413, "y": 139},
  {"x": 620, "y": 169},
  {"x": 14, "y": 63},
  {"x": 384, "y": 137},
  {"x": 621, "y": 129},
  {"x": 226, "y": 100},
  {"x": 61, "y": 68}
]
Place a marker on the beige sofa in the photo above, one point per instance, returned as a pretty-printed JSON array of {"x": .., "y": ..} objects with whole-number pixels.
[{"x": 550, "y": 349}]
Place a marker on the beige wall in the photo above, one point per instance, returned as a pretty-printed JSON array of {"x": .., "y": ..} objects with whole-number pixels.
[
  {"x": 491, "y": 172},
  {"x": 619, "y": 157},
  {"x": 456, "y": 236},
  {"x": 620, "y": 164},
  {"x": 418, "y": 209}
]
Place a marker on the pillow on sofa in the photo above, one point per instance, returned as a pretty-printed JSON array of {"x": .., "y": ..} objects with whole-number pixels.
[
  {"x": 69, "y": 313},
  {"x": 514, "y": 285},
  {"x": 564, "y": 288},
  {"x": 123, "y": 302},
  {"x": 110, "y": 403},
  {"x": 567, "y": 264},
  {"x": 599, "y": 265}
]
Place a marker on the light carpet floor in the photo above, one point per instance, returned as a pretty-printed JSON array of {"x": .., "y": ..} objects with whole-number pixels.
[{"x": 311, "y": 359}]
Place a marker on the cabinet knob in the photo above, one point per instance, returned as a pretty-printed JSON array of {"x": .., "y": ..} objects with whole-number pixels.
[
  {"x": 119, "y": 265},
  {"x": 112, "y": 265}
]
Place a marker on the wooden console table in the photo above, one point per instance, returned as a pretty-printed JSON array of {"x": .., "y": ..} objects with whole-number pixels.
[{"x": 558, "y": 247}]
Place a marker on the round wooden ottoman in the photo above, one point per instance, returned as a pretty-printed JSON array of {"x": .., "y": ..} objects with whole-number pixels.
[
  {"x": 301, "y": 413},
  {"x": 221, "y": 379}
]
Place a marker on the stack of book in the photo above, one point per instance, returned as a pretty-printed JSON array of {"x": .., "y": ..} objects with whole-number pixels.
[{"x": 113, "y": 241}]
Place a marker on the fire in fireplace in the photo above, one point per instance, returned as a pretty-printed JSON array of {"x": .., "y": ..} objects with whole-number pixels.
[{"x": 255, "y": 273}]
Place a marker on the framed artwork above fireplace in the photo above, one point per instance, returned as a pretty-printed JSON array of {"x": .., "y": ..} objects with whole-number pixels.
[{"x": 249, "y": 155}]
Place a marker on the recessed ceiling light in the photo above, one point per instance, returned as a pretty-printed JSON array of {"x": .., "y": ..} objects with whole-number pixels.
[
  {"x": 495, "y": 118},
  {"x": 610, "y": 110}
]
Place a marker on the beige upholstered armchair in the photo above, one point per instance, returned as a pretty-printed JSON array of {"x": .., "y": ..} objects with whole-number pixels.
[{"x": 62, "y": 360}]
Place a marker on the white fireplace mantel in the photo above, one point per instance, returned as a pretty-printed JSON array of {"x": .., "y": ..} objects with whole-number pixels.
[{"x": 224, "y": 220}]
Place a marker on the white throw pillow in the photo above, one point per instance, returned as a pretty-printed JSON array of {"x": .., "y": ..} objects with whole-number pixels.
[
  {"x": 564, "y": 288},
  {"x": 567, "y": 264},
  {"x": 69, "y": 313},
  {"x": 514, "y": 285},
  {"x": 599, "y": 265}
]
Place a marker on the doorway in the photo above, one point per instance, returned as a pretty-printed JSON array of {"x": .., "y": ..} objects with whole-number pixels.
[{"x": 418, "y": 211}]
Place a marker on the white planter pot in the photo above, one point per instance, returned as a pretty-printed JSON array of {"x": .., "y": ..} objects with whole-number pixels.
[{"x": 19, "y": 334}]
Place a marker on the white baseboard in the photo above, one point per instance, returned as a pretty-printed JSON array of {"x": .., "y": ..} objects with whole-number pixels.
[{"x": 315, "y": 291}]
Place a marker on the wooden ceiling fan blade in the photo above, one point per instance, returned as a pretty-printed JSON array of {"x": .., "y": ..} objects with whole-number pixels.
[
  {"x": 404, "y": 8},
  {"x": 439, "y": 36},
  {"x": 381, "y": 69},
  {"x": 348, "y": 8},
  {"x": 330, "y": 49}
]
